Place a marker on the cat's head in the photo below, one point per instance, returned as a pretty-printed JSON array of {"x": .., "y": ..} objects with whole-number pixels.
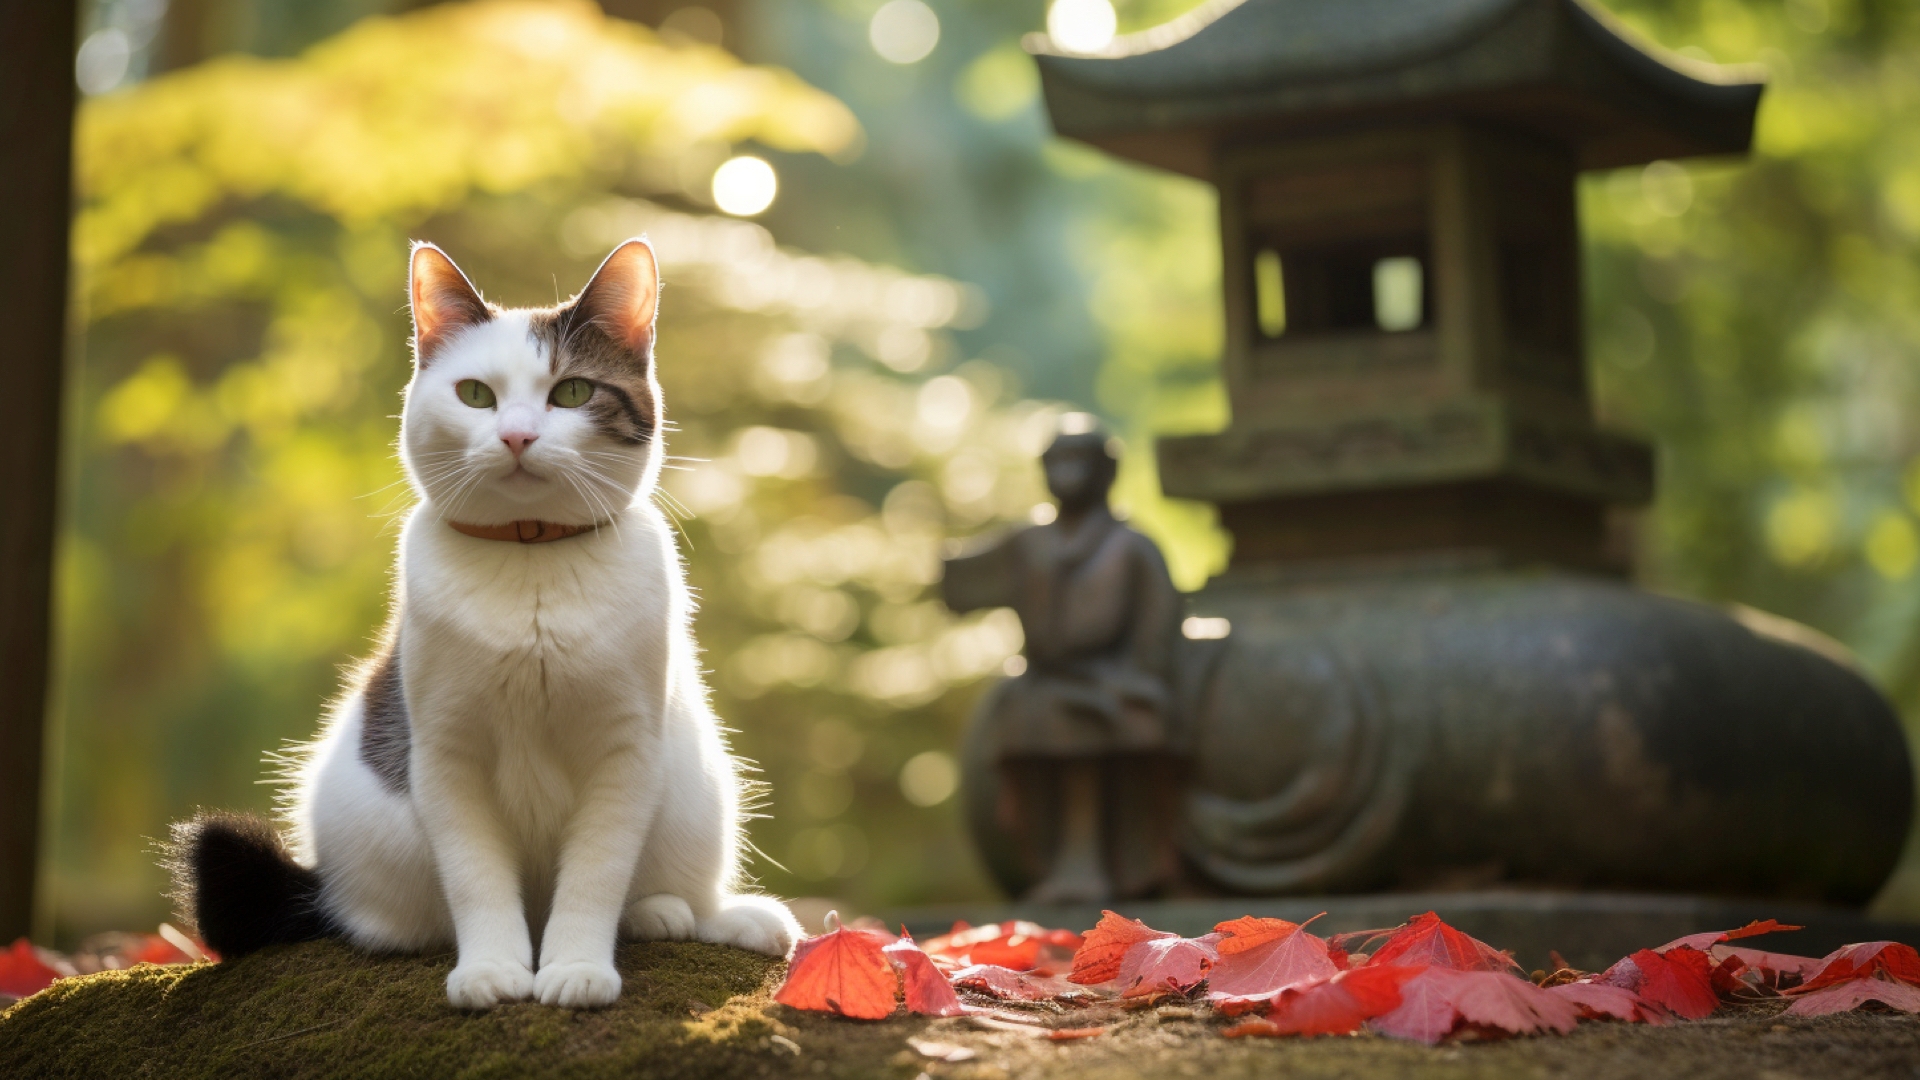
[{"x": 550, "y": 414}]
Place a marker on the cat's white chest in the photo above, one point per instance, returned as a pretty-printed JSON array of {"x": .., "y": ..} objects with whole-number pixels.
[{"x": 548, "y": 646}]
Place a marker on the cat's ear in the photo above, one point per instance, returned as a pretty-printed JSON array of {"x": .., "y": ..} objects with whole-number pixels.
[
  {"x": 623, "y": 297},
  {"x": 444, "y": 301}
]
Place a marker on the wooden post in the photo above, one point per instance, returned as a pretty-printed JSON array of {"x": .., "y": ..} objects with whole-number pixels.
[{"x": 36, "y": 174}]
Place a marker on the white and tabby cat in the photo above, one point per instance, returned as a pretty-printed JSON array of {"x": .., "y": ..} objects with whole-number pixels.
[{"x": 531, "y": 755}]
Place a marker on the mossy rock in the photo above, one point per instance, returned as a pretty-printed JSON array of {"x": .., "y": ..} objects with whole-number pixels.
[
  {"x": 326, "y": 1010},
  {"x": 689, "y": 1010}
]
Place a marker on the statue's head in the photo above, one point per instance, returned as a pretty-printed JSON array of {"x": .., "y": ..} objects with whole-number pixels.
[{"x": 1080, "y": 463}]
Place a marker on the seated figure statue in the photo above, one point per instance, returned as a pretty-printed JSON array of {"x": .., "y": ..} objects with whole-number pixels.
[{"x": 1082, "y": 736}]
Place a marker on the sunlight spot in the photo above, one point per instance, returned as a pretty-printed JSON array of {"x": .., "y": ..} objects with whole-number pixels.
[
  {"x": 744, "y": 186},
  {"x": 1082, "y": 26},
  {"x": 1203, "y": 628}
]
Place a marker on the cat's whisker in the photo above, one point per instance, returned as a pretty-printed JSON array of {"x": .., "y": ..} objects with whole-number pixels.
[
  {"x": 598, "y": 506},
  {"x": 464, "y": 488},
  {"x": 675, "y": 518},
  {"x": 677, "y": 509}
]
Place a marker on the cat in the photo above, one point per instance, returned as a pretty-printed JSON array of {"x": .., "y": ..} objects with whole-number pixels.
[{"x": 532, "y": 745}]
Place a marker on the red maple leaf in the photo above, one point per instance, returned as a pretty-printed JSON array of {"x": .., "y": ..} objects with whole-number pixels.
[
  {"x": 1854, "y": 993},
  {"x": 1731, "y": 976},
  {"x": 1017, "y": 952},
  {"x": 1019, "y": 945},
  {"x": 1277, "y": 962},
  {"x": 1436, "y": 1001},
  {"x": 154, "y": 949},
  {"x": 1169, "y": 963},
  {"x": 1899, "y": 963},
  {"x": 1248, "y": 931},
  {"x": 1679, "y": 980},
  {"x": 1340, "y": 1004},
  {"x": 1105, "y": 946},
  {"x": 926, "y": 991},
  {"x": 1600, "y": 1001},
  {"x": 1258, "y": 1025},
  {"x": 1426, "y": 940},
  {"x": 1717, "y": 937},
  {"x": 1770, "y": 966},
  {"x": 845, "y": 972},
  {"x": 22, "y": 972},
  {"x": 1063, "y": 939},
  {"x": 1009, "y": 985}
]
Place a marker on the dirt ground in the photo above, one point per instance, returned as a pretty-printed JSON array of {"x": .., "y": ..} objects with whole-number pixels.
[{"x": 323, "y": 1010}]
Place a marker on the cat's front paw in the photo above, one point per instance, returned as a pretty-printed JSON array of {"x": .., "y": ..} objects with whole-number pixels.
[
  {"x": 579, "y": 984},
  {"x": 482, "y": 984}
]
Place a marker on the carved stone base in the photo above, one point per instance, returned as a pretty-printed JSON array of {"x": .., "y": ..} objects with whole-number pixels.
[{"x": 1475, "y": 730}]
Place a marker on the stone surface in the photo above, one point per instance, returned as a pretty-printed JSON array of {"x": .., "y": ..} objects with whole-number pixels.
[
  {"x": 1459, "y": 730},
  {"x": 1462, "y": 440}
]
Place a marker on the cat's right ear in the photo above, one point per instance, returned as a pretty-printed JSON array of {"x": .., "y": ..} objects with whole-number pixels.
[{"x": 444, "y": 301}]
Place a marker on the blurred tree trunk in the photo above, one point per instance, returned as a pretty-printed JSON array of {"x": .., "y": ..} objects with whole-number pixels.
[{"x": 36, "y": 127}]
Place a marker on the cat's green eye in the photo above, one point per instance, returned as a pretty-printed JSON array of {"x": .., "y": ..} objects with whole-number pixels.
[
  {"x": 571, "y": 393},
  {"x": 475, "y": 393}
]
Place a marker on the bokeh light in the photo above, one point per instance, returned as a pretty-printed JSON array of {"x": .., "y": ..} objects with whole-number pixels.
[
  {"x": 1082, "y": 26},
  {"x": 101, "y": 64},
  {"x": 904, "y": 31},
  {"x": 744, "y": 186},
  {"x": 929, "y": 778}
]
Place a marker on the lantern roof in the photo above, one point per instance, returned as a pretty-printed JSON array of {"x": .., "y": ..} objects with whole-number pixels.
[{"x": 1237, "y": 71}]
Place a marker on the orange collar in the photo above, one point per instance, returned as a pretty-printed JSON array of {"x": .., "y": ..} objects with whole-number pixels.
[{"x": 524, "y": 532}]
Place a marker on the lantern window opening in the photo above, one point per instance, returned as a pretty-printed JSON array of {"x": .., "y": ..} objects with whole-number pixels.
[
  {"x": 1399, "y": 293},
  {"x": 1340, "y": 289}
]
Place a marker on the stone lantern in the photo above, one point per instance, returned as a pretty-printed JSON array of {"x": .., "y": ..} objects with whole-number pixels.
[
  {"x": 1405, "y": 350},
  {"x": 1434, "y": 673}
]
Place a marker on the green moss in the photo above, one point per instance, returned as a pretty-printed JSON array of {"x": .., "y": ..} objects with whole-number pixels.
[{"x": 323, "y": 1010}]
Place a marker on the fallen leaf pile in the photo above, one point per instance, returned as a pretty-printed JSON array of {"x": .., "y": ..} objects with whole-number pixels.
[
  {"x": 26, "y": 970},
  {"x": 1423, "y": 980}
]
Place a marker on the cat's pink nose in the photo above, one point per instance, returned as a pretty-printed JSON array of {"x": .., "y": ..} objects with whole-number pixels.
[{"x": 517, "y": 441}]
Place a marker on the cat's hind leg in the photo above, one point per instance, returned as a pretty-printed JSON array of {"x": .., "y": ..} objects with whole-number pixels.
[
  {"x": 682, "y": 887},
  {"x": 379, "y": 885},
  {"x": 759, "y": 924},
  {"x": 659, "y": 917}
]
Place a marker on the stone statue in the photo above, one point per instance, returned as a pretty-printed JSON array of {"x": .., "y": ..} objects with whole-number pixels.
[{"x": 1083, "y": 736}]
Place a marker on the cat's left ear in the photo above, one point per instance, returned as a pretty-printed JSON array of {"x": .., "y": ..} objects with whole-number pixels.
[{"x": 623, "y": 297}]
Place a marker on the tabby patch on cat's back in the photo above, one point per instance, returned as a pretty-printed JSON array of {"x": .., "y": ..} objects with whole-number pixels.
[{"x": 528, "y": 768}]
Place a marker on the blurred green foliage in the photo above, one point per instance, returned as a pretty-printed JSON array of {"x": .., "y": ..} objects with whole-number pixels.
[
  {"x": 1759, "y": 320},
  {"x": 240, "y": 253}
]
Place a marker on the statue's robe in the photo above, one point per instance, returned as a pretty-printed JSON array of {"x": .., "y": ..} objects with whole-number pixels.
[{"x": 1102, "y": 621}]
